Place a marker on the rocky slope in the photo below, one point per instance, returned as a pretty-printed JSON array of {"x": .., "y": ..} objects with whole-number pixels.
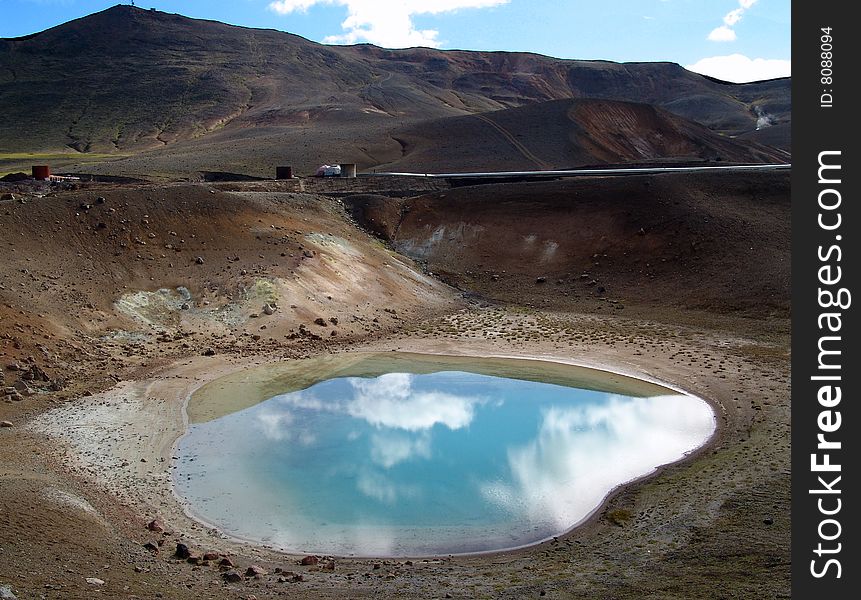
[{"x": 126, "y": 80}]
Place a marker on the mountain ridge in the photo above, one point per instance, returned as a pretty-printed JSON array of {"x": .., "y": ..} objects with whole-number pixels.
[{"x": 128, "y": 80}]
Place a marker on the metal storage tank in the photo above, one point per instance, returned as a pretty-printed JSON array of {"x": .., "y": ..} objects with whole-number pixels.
[
  {"x": 41, "y": 171},
  {"x": 348, "y": 170}
]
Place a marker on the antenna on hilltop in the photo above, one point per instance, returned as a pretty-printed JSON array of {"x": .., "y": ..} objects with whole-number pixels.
[{"x": 133, "y": 2}]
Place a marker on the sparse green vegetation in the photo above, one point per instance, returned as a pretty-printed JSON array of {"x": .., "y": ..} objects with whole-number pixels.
[{"x": 618, "y": 516}]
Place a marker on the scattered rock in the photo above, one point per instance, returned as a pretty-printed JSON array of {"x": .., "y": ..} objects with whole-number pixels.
[
  {"x": 199, "y": 260},
  {"x": 182, "y": 551},
  {"x": 209, "y": 556},
  {"x": 208, "y": 352},
  {"x": 320, "y": 321},
  {"x": 226, "y": 562},
  {"x": 333, "y": 320},
  {"x": 100, "y": 200},
  {"x": 641, "y": 231},
  {"x": 5, "y": 424},
  {"x": 34, "y": 373},
  {"x": 6, "y": 591},
  {"x": 255, "y": 571},
  {"x": 155, "y": 525},
  {"x": 768, "y": 521},
  {"x": 329, "y": 566},
  {"x": 232, "y": 576},
  {"x": 7, "y": 197},
  {"x": 95, "y": 581},
  {"x": 309, "y": 560},
  {"x": 150, "y": 547},
  {"x": 540, "y": 279},
  {"x": 23, "y": 388},
  {"x": 269, "y": 309}
]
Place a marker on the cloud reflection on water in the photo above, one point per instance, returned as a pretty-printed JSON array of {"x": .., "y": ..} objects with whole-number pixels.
[
  {"x": 389, "y": 449},
  {"x": 581, "y": 453},
  {"x": 394, "y": 465},
  {"x": 391, "y": 401}
]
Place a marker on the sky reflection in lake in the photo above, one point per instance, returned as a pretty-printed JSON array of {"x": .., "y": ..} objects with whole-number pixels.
[{"x": 439, "y": 463}]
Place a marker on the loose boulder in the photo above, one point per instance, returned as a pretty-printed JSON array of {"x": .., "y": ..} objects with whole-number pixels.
[
  {"x": 182, "y": 551},
  {"x": 255, "y": 571},
  {"x": 232, "y": 576}
]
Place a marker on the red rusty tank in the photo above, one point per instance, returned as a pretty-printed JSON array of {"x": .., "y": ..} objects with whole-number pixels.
[{"x": 41, "y": 171}]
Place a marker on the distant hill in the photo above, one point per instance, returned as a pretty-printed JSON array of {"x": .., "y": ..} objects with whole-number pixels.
[
  {"x": 128, "y": 80},
  {"x": 566, "y": 133}
]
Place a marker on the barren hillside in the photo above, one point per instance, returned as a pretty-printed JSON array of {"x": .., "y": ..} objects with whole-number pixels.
[{"x": 194, "y": 92}]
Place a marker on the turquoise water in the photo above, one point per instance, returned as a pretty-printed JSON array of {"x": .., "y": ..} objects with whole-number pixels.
[{"x": 424, "y": 464}]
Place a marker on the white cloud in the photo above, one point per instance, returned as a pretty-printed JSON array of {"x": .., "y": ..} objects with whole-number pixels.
[
  {"x": 390, "y": 401},
  {"x": 275, "y": 425},
  {"x": 740, "y": 69},
  {"x": 389, "y": 449},
  {"x": 726, "y": 33},
  {"x": 722, "y": 34},
  {"x": 387, "y": 23},
  {"x": 581, "y": 454},
  {"x": 380, "y": 488},
  {"x": 284, "y": 7},
  {"x": 733, "y": 17}
]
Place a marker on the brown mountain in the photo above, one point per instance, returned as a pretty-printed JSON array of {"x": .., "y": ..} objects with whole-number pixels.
[
  {"x": 201, "y": 94},
  {"x": 567, "y": 133}
]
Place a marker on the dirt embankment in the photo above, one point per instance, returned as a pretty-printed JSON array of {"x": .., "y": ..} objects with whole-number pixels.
[{"x": 717, "y": 242}]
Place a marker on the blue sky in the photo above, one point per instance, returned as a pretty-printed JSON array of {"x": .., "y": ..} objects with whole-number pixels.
[{"x": 737, "y": 40}]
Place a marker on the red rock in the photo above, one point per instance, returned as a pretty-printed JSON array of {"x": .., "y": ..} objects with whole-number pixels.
[
  {"x": 155, "y": 525},
  {"x": 210, "y": 556},
  {"x": 309, "y": 560},
  {"x": 255, "y": 571},
  {"x": 226, "y": 562}
]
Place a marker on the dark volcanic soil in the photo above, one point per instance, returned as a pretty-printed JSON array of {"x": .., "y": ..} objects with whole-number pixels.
[{"x": 717, "y": 242}]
